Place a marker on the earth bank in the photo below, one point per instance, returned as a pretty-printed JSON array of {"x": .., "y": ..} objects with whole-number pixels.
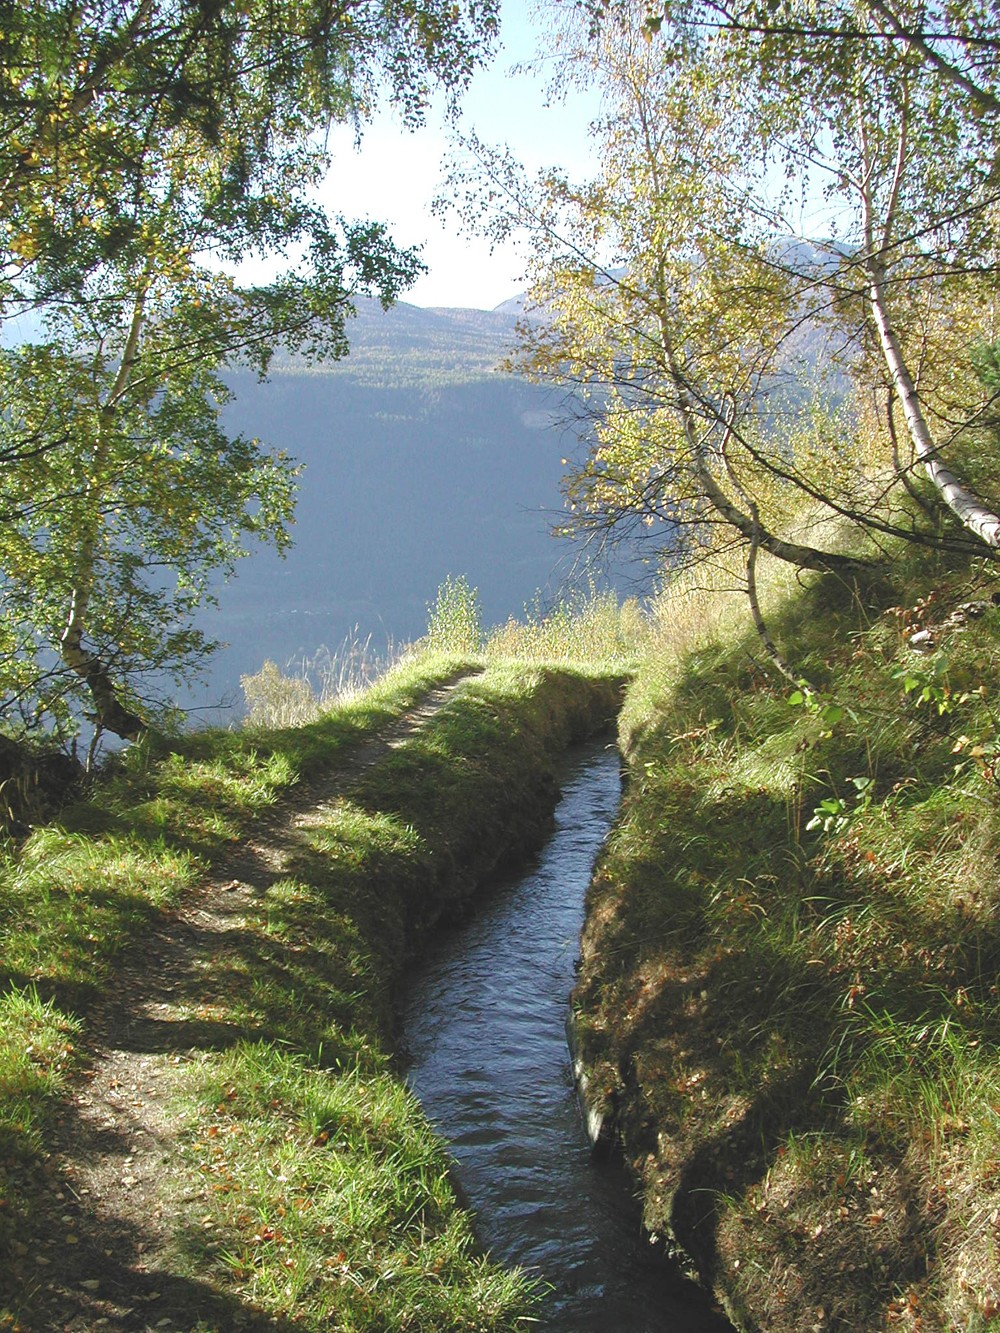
[{"x": 788, "y": 999}]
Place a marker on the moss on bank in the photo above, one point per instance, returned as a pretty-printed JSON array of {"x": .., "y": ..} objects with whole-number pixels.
[
  {"x": 789, "y": 986},
  {"x": 306, "y": 1187}
]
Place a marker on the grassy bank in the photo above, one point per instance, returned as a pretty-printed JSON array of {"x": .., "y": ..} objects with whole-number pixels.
[
  {"x": 789, "y": 990},
  {"x": 306, "y": 1191}
]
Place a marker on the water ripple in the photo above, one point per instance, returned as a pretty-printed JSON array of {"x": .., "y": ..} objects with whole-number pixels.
[{"x": 484, "y": 1023}]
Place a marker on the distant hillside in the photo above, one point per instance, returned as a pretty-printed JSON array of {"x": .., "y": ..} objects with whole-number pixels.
[
  {"x": 420, "y": 460},
  {"x": 409, "y": 345}
]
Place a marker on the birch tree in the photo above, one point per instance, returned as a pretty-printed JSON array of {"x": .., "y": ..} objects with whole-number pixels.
[
  {"x": 149, "y": 148},
  {"x": 675, "y": 293},
  {"x": 915, "y": 169},
  {"x": 658, "y": 299},
  {"x": 889, "y": 113}
]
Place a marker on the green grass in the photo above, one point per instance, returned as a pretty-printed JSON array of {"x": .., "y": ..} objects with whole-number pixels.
[
  {"x": 590, "y": 626},
  {"x": 791, "y": 957},
  {"x": 301, "y": 1146},
  {"x": 36, "y": 1055},
  {"x": 71, "y": 904},
  {"x": 329, "y": 1193}
]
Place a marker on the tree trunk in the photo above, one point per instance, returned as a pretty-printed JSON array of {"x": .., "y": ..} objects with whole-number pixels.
[
  {"x": 963, "y": 502},
  {"x": 760, "y": 624},
  {"x": 804, "y": 557},
  {"x": 109, "y": 712}
]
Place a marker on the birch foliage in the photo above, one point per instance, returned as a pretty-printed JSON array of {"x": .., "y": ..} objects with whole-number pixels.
[
  {"x": 657, "y": 298},
  {"x": 146, "y": 150},
  {"x": 794, "y": 218}
]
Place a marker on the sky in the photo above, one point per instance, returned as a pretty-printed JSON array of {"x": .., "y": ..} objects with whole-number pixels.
[{"x": 396, "y": 173}]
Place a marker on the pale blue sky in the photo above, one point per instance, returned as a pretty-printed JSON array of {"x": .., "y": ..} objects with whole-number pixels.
[{"x": 396, "y": 174}]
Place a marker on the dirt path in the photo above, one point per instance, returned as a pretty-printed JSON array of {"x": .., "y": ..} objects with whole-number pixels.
[{"x": 99, "y": 1252}]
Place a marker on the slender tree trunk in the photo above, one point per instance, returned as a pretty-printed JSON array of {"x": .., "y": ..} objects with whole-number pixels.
[
  {"x": 109, "y": 711},
  {"x": 110, "y": 714},
  {"x": 804, "y": 557},
  {"x": 760, "y": 624},
  {"x": 918, "y": 497},
  {"x": 960, "y": 499}
]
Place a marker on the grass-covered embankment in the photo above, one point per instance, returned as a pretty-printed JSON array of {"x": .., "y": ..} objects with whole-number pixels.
[
  {"x": 300, "y": 1182},
  {"x": 789, "y": 988}
]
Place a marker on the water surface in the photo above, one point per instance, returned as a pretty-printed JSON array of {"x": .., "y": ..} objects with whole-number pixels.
[{"x": 484, "y": 1024}]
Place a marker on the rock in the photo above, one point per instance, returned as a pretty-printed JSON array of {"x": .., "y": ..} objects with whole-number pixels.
[{"x": 599, "y": 1112}]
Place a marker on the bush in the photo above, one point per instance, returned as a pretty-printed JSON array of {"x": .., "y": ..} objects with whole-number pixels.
[
  {"x": 275, "y": 700},
  {"x": 455, "y": 622}
]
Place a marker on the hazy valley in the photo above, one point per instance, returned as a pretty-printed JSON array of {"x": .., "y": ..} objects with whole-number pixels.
[{"x": 420, "y": 459}]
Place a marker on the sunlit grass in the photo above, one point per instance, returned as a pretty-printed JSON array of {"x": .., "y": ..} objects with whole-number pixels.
[
  {"x": 37, "y": 1053},
  {"x": 592, "y": 627},
  {"x": 329, "y": 1193},
  {"x": 309, "y": 1148},
  {"x": 70, "y": 904}
]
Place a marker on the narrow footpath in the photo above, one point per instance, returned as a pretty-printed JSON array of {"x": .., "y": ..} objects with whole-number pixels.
[{"x": 103, "y": 1240}]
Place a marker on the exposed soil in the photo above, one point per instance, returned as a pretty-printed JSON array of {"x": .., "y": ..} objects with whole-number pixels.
[{"x": 98, "y": 1253}]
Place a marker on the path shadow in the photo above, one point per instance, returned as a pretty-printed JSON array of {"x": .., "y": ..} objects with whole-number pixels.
[{"x": 78, "y": 1268}]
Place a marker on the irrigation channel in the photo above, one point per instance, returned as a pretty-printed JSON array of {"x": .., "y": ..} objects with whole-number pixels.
[{"x": 484, "y": 1027}]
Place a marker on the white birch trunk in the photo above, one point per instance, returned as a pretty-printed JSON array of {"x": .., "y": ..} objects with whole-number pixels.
[
  {"x": 960, "y": 499},
  {"x": 968, "y": 508}
]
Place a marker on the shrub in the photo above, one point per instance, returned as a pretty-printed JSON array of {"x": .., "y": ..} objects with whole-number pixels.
[{"x": 455, "y": 624}]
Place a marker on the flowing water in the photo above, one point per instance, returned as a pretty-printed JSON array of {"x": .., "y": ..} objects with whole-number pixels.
[{"x": 484, "y": 1025}]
